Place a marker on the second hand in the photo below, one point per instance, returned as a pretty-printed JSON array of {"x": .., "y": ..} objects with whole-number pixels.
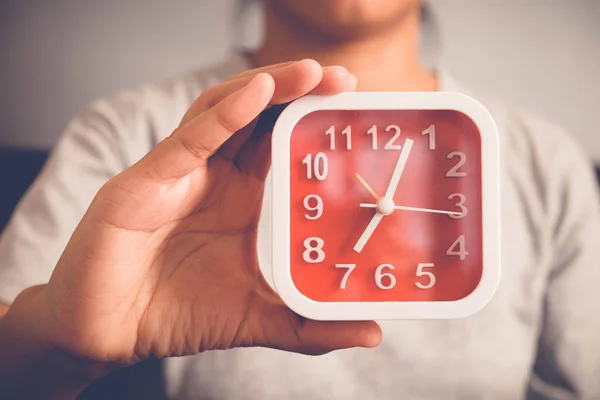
[{"x": 430, "y": 210}]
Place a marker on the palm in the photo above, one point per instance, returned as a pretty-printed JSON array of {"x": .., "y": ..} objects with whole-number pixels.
[{"x": 220, "y": 236}]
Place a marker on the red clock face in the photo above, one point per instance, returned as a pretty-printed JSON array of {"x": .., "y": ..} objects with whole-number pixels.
[{"x": 385, "y": 205}]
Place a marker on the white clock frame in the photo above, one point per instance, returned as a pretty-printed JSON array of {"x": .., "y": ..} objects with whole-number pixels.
[{"x": 280, "y": 175}]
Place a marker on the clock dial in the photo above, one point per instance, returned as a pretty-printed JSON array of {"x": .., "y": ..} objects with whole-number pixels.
[{"x": 385, "y": 205}]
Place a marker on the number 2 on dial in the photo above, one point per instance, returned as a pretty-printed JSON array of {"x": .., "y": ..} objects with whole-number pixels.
[{"x": 454, "y": 171}]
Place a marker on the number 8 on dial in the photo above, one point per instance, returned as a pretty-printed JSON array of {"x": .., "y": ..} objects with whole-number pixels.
[{"x": 385, "y": 206}]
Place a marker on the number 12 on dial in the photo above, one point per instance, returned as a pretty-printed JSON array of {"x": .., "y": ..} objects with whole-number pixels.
[{"x": 381, "y": 212}]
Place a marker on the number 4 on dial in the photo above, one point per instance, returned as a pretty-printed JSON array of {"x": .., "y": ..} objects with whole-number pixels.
[{"x": 458, "y": 248}]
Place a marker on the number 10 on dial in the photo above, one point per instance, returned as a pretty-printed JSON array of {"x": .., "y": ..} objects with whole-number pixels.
[{"x": 385, "y": 206}]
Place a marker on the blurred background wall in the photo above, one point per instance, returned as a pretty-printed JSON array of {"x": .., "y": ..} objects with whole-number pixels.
[{"x": 57, "y": 55}]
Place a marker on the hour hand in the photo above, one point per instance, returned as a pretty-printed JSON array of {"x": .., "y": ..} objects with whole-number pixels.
[{"x": 366, "y": 185}]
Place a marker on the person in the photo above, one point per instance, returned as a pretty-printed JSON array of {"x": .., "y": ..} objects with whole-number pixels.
[{"x": 139, "y": 240}]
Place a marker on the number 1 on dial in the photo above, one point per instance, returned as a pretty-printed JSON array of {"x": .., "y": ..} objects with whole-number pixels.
[
  {"x": 373, "y": 132},
  {"x": 431, "y": 132}
]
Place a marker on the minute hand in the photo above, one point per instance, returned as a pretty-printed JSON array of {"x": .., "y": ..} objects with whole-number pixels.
[{"x": 402, "y": 158}]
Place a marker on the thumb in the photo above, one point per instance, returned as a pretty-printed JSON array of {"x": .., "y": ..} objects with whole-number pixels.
[{"x": 285, "y": 330}]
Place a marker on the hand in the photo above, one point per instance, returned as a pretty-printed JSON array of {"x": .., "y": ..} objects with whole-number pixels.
[{"x": 164, "y": 261}]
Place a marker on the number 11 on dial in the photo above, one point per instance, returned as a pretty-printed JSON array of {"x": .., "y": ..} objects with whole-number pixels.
[{"x": 382, "y": 211}]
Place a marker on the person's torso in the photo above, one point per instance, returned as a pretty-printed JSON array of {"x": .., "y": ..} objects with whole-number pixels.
[{"x": 488, "y": 355}]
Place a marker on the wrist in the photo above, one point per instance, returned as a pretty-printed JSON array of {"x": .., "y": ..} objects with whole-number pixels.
[{"x": 32, "y": 365}]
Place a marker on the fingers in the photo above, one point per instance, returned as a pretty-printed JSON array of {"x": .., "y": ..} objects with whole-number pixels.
[
  {"x": 190, "y": 146},
  {"x": 330, "y": 76},
  {"x": 266, "y": 68},
  {"x": 214, "y": 94},
  {"x": 236, "y": 104},
  {"x": 291, "y": 82},
  {"x": 251, "y": 150},
  {"x": 291, "y": 78},
  {"x": 335, "y": 79},
  {"x": 303, "y": 72}
]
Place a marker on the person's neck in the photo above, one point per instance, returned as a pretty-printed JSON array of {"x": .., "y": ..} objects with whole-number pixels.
[{"x": 384, "y": 61}]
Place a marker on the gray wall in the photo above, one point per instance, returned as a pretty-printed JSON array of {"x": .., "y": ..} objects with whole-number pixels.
[{"x": 57, "y": 55}]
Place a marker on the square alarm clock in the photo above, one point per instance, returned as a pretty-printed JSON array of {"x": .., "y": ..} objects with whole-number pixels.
[{"x": 385, "y": 206}]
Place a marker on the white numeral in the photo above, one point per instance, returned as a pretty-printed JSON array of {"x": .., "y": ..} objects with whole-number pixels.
[
  {"x": 458, "y": 248},
  {"x": 428, "y": 274},
  {"x": 431, "y": 132},
  {"x": 331, "y": 133},
  {"x": 454, "y": 171},
  {"x": 379, "y": 275},
  {"x": 346, "y": 132},
  {"x": 320, "y": 166},
  {"x": 350, "y": 268},
  {"x": 373, "y": 133},
  {"x": 390, "y": 144},
  {"x": 312, "y": 248},
  {"x": 318, "y": 207},
  {"x": 461, "y": 204}
]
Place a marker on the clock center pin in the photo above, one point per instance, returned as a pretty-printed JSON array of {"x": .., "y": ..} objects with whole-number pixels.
[{"x": 385, "y": 205}]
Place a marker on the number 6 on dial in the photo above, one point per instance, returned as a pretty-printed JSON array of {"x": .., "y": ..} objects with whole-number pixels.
[{"x": 368, "y": 186}]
